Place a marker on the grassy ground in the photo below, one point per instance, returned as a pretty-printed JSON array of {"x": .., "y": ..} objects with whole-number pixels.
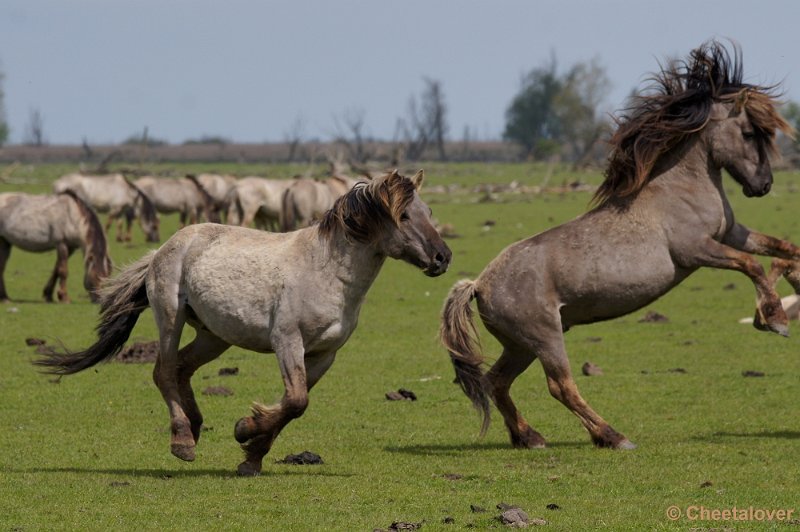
[{"x": 92, "y": 451}]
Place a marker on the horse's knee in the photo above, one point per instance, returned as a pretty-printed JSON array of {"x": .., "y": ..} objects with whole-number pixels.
[{"x": 294, "y": 406}]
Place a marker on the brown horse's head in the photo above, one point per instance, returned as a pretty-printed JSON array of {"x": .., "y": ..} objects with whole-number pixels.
[
  {"x": 741, "y": 135},
  {"x": 701, "y": 98},
  {"x": 389, "y": 214}
]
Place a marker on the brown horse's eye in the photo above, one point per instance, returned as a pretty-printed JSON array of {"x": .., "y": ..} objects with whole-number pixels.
[
  {"x": 748, "y": 135},
  {"x": 404, "y": 217}
]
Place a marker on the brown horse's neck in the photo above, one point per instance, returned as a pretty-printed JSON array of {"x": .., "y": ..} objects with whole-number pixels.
[{"x": 689, "y": 162}]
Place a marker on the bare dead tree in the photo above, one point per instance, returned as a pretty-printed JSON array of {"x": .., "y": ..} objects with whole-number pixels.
[
  {"x": 426, "y": 122},
  {"x": 34, "y": 131},
  {"x": 350, "y": 134},
  {"x": 294, "y": 136}
]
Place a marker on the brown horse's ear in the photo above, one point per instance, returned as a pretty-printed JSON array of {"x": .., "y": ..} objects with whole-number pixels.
[
  {"x": 393, "y": 173},
  {"x": 741, "y": 100},
  {"x": 418, "y": 178}
]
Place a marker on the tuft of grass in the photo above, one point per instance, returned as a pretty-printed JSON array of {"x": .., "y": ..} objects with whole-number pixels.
[{"x": 91, "y": 451}]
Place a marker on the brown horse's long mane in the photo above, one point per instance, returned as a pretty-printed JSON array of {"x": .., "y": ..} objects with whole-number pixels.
[
  {"x": 678, "y": 105},
  {"x": 361, "y": 213},
  {"x": 95, "y": 238}
]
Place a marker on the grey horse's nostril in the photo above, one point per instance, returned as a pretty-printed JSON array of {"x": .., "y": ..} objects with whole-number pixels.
[{"x": 439, "y": 258}]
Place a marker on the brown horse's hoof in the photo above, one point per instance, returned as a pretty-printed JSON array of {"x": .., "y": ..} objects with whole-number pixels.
[
  {"x": 248, "y": 469},
  {"x": 779, "y": 328},
  {"x": 528, "y": 439},
  {"x": 183, "y": 451}
]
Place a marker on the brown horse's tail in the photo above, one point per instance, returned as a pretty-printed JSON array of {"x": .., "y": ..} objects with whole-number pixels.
[
  {"x": 122, "y": 299},
  {"x": 288, "y": 217},
  {"x": 460, "y": 338}
]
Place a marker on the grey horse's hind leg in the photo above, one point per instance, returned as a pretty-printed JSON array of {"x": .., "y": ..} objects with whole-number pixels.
[
  {"x": 170, "y": 319},
  {"x": 257, "y": 433},
  {"x": 5, "y": 252},
  {"x": 60, "y": 273},
  {"x": 498, "y": 382},
  {"x": 202, "y": 350},
  {"x": 553, "y": 356}
]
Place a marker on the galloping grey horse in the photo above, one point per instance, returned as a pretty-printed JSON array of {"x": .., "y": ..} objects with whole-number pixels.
[
  {"x": 295, "y": 294},
  {"x": 660, "y": 214}
]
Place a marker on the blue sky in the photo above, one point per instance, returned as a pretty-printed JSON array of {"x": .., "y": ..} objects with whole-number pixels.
[{"x": 249, "y": 70}]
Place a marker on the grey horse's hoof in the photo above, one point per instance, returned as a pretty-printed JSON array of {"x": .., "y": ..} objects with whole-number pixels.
[{"x": 625, "y": 445}]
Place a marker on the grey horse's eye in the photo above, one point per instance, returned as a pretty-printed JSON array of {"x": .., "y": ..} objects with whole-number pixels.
[{"x": 404, "y": 217}]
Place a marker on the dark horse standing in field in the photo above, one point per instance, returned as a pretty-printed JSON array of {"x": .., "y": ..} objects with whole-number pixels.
[
  {"x": 62, "y": 222},
  {"x": 295, "y": 294},
  {"x": 660, "y": 214}
]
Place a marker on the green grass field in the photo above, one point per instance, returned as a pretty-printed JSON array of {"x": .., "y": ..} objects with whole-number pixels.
[{"x": 91, "y": 451}]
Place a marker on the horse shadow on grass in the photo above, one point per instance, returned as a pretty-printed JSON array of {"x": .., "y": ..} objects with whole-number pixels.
[
  {"x": 272, "y": 470},
  {"x": 456, "y": 450},
  {"x": 775, "y": 434}
]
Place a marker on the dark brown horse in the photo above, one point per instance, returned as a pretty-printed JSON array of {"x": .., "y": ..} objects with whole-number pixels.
[
  {"x": 62, "y": 222},
  {"x": 660, "y": 214}
]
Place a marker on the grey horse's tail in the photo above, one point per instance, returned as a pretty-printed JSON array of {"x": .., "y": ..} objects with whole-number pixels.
[
  {"x": 122, "y": 299},
  {"x": 460, "y": 338}
]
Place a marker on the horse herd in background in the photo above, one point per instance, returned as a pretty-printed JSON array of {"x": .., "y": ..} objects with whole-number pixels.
[{"x": 67, "y": 220}]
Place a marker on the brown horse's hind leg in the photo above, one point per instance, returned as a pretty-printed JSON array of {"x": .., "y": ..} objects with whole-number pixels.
[
  {"x": 202, "y": 350},
  {"x": 498, "y": 382},
  {"x": 257, "y": 433},
  {"x": 553, "y": 357},
  {"x": 60, "y": 273}
]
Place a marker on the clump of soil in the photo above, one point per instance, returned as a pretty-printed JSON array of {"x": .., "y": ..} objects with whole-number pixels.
[
  {"x": 228, "y": 371},
  {"x": 304, "y": 458},
  {"x": 591, "y": 370},
  {"x": 654, "y": 317},
  {"x": 138, "y": 353},
  {"x": 752, "y": 373},
  {"x": 401, "y": 395},
  {"x": 217, "y": 390}
]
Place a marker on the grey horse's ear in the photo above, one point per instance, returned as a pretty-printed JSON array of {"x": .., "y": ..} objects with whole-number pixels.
[{"x": 418, "y": 178}]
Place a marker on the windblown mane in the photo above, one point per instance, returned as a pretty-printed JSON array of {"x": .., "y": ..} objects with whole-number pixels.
[
  {"x": 96, "y": 245},
  {"x": 678, "y": 105},
  {"x": 362, "y": 212}
]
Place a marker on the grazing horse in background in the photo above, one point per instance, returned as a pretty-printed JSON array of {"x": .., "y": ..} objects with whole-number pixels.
[
  {"x": 116, "y": 195},
  {"x": 184, "y": 195},
  {"x": 295, "y": 294},
  {"x": 306, "y": 200},
  {"x": 660, "y": 214},
  {"x": 217, "y": 186},
  {"x": 257, "y": 200},
  {"x": 63, "y": 222}
]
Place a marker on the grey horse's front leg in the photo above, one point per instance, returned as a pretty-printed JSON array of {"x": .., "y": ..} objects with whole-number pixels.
[{"x": 257, "y": 432}]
